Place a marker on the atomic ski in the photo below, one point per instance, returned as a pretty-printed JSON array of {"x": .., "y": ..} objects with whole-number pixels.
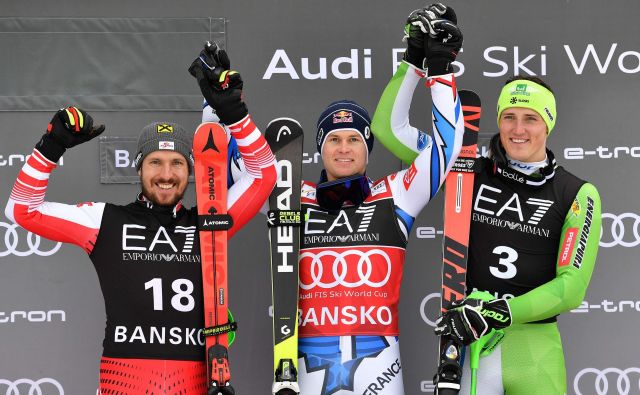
[
  {"x": 285, "y": 137},
  {"x": 457, "y": 221},
  {"x": 210, "y": 165}
]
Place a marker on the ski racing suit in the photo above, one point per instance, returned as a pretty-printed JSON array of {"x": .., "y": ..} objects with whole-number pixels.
[
  {"x": 148, "y": 263},
  {"x": 351, "y": 264},
  {"x": 533, "y": 241}
]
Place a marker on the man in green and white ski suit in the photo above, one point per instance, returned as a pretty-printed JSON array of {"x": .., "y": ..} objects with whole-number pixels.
[{"x": 535, "y": 230}]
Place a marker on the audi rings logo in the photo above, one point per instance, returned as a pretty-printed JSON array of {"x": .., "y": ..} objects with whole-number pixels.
[
  {"x": 433, "y": 299},
  {"x": 13, "y": 244},
  {"x": 626, "y": 381},
  {"x": 620, "y": 230},
  {"x": 44, "y": 386},
  {"x": 340, "y": 269}
]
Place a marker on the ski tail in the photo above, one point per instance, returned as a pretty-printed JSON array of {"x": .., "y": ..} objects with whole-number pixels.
[
  {"x": 210, "y": 170},
  {"x": 457, "y": 222},
  {"x": 285, "y": 137}
]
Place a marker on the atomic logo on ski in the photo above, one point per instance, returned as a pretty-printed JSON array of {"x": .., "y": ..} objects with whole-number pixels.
[{"x": 210, "y": 143}]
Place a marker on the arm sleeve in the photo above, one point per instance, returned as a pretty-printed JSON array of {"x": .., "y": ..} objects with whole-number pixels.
[
  {"x": 576, "y": 259},
  {"x": 76, "y": 224},
  {"x": 251, "y": 190},
  {"x": 390, "y": 122},
  {"x": 431, "y": 158}
]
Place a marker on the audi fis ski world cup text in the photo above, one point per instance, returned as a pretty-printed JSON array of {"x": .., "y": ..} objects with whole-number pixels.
[{"x": 357, "y": 63}]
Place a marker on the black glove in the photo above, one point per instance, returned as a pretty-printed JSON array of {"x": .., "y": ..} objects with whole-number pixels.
[
  {"x": 69, "y": 127},
  {"x": 414, "y": 35},
  {"x": 418, "y": 26},
  {"x": 221, "y": 87},
  {"x": 470, "y": 319},
  {"x": 444, "y": 38}
]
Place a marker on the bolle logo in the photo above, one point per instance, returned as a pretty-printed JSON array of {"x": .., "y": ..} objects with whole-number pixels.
[
  {"x": 33, "y": 316},
  {"x": 284, "y": 234},
  {"x": 342, "y": 68},
  {"x": 25, "y": 386},
  {"x": 579, "y": 153},
  {"x": 12, "y": 243},
  {"x": 511, "y": 175}
]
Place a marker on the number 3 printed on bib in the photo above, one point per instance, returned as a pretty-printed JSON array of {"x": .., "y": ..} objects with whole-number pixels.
[{"x": 506, "y": 269}]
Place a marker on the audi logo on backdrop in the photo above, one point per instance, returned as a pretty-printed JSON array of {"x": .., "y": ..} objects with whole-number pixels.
[
  {"x": 620, "y": 230},
  {"x": 339, "y": 269},
  {"x": 618, "y": 381},
  {"x": 15, "y": 238},
  {"x": 433, "y": 299},
  {"x": 44, "y": 386}
]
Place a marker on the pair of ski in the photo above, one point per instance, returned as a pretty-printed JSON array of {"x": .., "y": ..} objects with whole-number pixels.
[{"x": 285, "y": 137}]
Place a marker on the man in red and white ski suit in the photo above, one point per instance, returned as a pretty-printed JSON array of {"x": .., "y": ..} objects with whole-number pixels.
[{"x": 146, "y": 253}]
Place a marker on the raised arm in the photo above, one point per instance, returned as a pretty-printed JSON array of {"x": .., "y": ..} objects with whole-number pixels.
[
  {"x": 75, "y": 224},
  {"x": 222, "y": 90},
  {"x": 433, "y": 41}
]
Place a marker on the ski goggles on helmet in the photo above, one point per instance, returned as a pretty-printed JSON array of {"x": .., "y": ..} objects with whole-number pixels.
[{"x": 333, "y": 195}]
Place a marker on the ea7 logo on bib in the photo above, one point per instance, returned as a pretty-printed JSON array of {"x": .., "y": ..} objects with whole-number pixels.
[
  {"x": 140, "y": 244},
  {"x": 487, "y": 202}
]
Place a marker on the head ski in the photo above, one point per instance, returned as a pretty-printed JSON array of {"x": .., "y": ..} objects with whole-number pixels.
[
  {"x": 210, "y": 166},
  {"x": 285, "y": 137},
  {"x": 457, "y": 221}
]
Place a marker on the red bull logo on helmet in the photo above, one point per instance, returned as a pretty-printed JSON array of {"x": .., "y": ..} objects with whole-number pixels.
[{"x": 343, "y": 117}]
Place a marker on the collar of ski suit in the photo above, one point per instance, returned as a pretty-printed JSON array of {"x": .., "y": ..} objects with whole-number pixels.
[
  {"x": 535, "y": 179},
  {"x": 141, "y": 199}
]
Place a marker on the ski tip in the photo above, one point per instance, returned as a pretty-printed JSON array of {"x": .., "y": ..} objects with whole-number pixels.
[{"x": 284, "y": 119}]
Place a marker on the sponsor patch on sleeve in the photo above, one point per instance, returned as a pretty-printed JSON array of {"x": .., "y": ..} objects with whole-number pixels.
[
  {"x": 379, "y": 188},
  {"x": 423, "y": 140},
  {"x": 567, "y": 247}
]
